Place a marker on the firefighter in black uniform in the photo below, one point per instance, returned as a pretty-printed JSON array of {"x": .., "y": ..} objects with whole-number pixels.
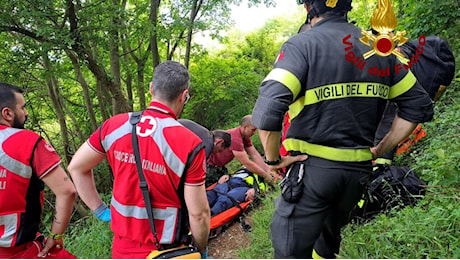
[{"x": 335, "y": 105}]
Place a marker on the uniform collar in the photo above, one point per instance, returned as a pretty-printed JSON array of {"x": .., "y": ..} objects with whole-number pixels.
[
  {"x": 333, "y": 18},
  {"x": 162, "y": 108},
  {"x": 4, "y": 127}
]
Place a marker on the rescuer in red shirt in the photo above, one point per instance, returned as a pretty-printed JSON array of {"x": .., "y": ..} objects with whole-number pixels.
[
  {"x": 173, "y": 161},
  {"x": 241, "y": 149},
  {"x": 27, "y": 162},
  {"x": 215, "y": 141}
]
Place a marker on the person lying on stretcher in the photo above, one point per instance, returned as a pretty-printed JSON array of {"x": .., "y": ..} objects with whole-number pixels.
[{"x": 229, "y": 191}]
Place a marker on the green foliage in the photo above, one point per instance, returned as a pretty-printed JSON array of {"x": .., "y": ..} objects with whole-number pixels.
[
  {"x": 261, "y": 247},
  {"x": 428, "y": 17},
  {"x": 223, "y": 91},
  {"x": 361, "y": 13},
  {"x": 426, "y": 231},
  {"x": 90, "y": 238},
  {"x": 225, "y": 84},
  {"x": 438, "y": 158}
]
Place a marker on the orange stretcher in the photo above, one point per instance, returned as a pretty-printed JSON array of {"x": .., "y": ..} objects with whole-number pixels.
[
  {"x": 223, "y": 220},
  {"x": 416, "y": 135}
]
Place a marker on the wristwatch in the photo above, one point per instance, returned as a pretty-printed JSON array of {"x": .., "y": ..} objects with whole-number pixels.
[{"x": 273, "y": 162}]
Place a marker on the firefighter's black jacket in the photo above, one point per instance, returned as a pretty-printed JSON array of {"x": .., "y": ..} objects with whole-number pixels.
[{"x": 334, "y": 99}]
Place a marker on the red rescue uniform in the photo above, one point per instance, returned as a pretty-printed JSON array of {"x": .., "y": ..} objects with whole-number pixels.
[
  {"x": 164, "y": 152},
  {"x": 25, "y": 158}
]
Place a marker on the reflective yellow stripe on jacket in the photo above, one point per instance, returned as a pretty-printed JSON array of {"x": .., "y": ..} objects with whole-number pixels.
[
  {"x": 337, "y": 91},
  {"x": 403, "y": 85},
  {"x": 287, "y": 79}
]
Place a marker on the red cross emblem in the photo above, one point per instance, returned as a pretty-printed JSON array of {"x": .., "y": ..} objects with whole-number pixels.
[
  {"x": 146, "y": 126},
  {"x": 49, "y": 147}
]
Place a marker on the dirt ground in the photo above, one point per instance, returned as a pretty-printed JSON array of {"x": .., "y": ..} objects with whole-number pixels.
[{"x": 226, "y": 244}]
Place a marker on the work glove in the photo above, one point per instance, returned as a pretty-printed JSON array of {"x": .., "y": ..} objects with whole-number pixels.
[{"x": 103, "y": 213}]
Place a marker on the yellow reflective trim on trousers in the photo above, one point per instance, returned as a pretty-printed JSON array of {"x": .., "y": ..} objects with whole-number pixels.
[
  {"x": 330, "y": 153},
  {"x": 315, "y": 255},
  {"x": 287, "y": 79},
  {"x": 403, "y": 85}
]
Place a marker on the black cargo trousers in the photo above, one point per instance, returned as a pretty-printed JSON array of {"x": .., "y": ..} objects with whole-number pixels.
[{"x": 330, "y": 192}]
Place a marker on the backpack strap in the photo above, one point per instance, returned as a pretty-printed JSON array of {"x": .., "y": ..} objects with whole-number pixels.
[
  {"x": 133, "y": 120},
  {"x": 182, "y": 232}
]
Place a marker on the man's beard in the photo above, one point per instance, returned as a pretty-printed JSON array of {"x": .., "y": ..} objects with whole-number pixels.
[{"x": 17, "y": 123}]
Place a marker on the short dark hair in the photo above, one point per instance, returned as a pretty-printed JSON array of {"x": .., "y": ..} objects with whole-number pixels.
[
  {"x": 170, "y": 78},
  {"x": 7, "y": 95},
  {"x": 224, "y": 135}
]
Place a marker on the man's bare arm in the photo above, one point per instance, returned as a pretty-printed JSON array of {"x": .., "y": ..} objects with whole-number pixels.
[
  {"x": 81, "y": 170},
  {"x": 242, "y": 156},
  {"x": 61, "y": 185},
  {"x": 199, "y": 214},
  {"x": 400, "y": 129}
]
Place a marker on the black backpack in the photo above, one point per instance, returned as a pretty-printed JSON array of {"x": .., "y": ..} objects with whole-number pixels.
[
  {"x": 435, "y": 65},
  {"x": 391, "y": 188}
]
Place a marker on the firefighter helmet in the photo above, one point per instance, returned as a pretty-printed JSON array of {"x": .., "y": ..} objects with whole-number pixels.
[{"x": 318, "y": 7}]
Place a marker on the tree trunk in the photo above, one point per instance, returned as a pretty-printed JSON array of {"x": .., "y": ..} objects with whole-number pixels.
[
  {"x": 115, "y": 57},
  {"x": 154, "y": 5},
  {"x": 53, "y": 92},
  {"x": 174, "y": 47},
  {"x": 129, "y": 77},
  {"x": 140, "y": 60},
  {"x": 85, "y": 88},
  {"x": 80, "y": 136},
  {"x": 141, "y": 85},
  {"x": 81, "y": 47},
  {"x": 193, "y": 12},
  {"x": 81, "y": 209},
  {"x": 102, "y": 101}
]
